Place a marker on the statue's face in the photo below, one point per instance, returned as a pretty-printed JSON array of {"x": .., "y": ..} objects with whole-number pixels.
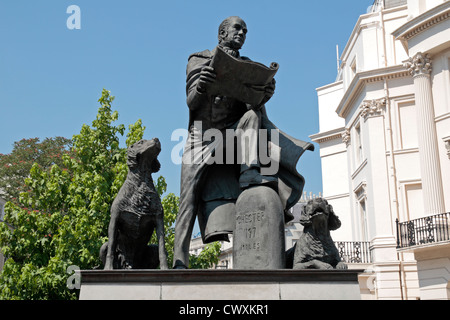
[{"x": 235, "y": 34}]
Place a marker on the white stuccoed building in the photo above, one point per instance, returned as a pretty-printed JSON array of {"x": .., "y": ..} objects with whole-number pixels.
[{"x": 385, "y": 146}]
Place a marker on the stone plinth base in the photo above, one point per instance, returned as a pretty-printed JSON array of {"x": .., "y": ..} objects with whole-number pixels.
[{"x": 220, "y": 285}]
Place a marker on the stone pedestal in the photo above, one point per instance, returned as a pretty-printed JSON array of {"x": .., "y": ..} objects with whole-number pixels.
[
  {"x": 220, "y": 285},
  {"x": 259, "y": 239}
]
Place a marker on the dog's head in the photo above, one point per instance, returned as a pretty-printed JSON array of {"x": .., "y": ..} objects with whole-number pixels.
[
  {"x": 144, "y": 153},
  {"x": 319, "y": 208}
]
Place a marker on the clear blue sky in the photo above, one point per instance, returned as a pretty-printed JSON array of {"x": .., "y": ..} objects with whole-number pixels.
[{"x": 51, "y": 77}]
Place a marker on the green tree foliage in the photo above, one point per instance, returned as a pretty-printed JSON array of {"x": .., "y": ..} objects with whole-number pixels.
[
  {"x": 170, "y": 205},
  {"x": 207, "y": 258},
  {"x": 63, "y": 217},
  {"x": 16, "y": 166}
]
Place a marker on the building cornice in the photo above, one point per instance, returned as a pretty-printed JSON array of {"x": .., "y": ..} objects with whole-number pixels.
[
  {"x": 421, "y": 23},
  {"x": 361, "y": 79},
  {"x": 327, "y": 135},
  {"x": 330, "y": 86}
]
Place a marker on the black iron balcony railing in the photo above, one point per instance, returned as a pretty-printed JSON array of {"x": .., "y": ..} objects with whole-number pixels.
[
  {"x": 354, "y": 251},
  {"x": 432, "y": 229}
]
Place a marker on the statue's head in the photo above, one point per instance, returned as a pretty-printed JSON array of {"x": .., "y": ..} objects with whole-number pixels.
[
  {"x": 143, "y": 154},
  {"x": 232, "y": 33},
  {"x": 319, "y": 208}
]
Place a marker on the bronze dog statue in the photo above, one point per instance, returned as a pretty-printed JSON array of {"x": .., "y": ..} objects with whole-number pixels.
[
  {"x": 135, "y": 213},
  {"x": 315, "y": 249}
]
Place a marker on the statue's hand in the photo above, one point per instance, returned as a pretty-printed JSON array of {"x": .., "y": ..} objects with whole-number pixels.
[
  {"x": 269, "y": 92},
  {"x": 207, "y": 77},
  {"x": 270, "y": 89}
]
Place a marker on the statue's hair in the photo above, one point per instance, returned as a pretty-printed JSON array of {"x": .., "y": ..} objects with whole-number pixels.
[{"x": 224, "y": 25}]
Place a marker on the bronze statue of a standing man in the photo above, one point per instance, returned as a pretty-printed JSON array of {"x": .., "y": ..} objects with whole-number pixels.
[{"x": 208, "y": 191}]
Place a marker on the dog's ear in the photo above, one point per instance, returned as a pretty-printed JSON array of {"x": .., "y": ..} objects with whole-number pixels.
[
  {"x": 333, "y": 220},
  {"x": 156, "y": 166},
  {"x": 132, "y": 157},
  {"x": 305, "y": 217}
]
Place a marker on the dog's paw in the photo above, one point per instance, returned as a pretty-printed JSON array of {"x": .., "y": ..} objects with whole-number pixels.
[
  {"x": 342, "y": 266},
  {"x": 322, "y": 265}
]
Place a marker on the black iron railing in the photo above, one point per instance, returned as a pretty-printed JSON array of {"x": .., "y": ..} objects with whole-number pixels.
[
  {"x": 431, "y": 229},
  {"x": 354, "y": 251},
  {"x": 223, "y": 265}
]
